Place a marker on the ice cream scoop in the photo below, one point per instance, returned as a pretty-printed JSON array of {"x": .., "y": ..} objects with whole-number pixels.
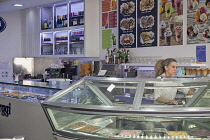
[
  {"x": 203, "y": 10},
  {"x": 203, "y": 17}
]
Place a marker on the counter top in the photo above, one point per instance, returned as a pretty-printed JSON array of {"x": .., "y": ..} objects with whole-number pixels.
[{"x": 36, "y": 84}]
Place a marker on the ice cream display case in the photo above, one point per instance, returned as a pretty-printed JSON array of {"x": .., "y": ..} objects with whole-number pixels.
[{"x": 102, "y": 108}]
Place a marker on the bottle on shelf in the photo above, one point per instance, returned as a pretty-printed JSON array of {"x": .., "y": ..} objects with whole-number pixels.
[
  {"x": 45, "y": 24},
  {"x": 107, "y": 56},
  {"x": 50, "y": 23},
  {"x": 70, "y": 19},
  {"x": 80, "y": 18},
  {"x": 64, "y": 21},
  {"x": 75, "y": 19},
  {"x": 59, "y": 22}
]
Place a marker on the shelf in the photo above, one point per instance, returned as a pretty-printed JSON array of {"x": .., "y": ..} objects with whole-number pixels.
[
  {"x": 78, "y": 42},
  {"x": 152, "y": 65}
]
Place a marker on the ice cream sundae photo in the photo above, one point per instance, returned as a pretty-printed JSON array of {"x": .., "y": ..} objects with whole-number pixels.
[
  {"x": 192, "y": 4},
  {"x": 192, "y": 31},
  {"x": 162, "y": 29},
  {"x": 169, "y": 9},
  {"x": 168, "y": 34},
  {"x": 201, "y": 16},
  {"x": 206, "y": 35},
  {"x": 178, "y": 34}
]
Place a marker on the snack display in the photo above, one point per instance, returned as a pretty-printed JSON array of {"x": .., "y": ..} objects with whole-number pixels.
[
  {"x": 3, "y": 88},
  {"x": 127, "y": 39},
  {"x": 89, "y": 128},
  {"x": 146, "y": 21},
  {"x": 200, "y": 133},
  {"x": 147, "y": 37},
  {"x": 130, "y": 132},
  {"x": 146, "y": 5},
  {"x": 127, "y": 8},
  {"x": 76, "y": 125},
  {"x": 174, "y": 134}
]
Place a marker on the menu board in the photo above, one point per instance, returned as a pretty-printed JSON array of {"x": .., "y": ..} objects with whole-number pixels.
[
  {"x": 147, "y": 23},
  {"x": 127, "y": 23},
  {"x": 201, "y": 53},
  {"x": 109, "y": 24},
  {"x": 171, "y": 22},
  {"x": 198, "y": 21}
]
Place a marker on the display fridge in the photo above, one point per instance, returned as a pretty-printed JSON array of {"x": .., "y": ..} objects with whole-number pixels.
[{"x": 104, "y": 108}]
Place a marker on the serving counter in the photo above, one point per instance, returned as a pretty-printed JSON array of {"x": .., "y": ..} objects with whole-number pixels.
[
  {"x": 21, "y": 112},
  {"x": 99, "y": 108}
]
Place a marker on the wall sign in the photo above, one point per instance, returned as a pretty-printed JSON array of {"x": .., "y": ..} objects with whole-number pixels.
[
  {"x": 3, "y": 24},
  {"x": 5, "y": 110},
  {"x": 201, "y": 53}
]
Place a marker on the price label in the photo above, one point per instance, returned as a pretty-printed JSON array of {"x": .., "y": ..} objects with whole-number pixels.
[{"x": 102, "y": 72}]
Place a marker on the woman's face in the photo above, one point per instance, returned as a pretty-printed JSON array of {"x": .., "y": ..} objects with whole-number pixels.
[{"x": 170, "y": 70}]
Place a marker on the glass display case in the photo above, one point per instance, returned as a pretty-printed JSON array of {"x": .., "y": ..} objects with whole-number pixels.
[
  {"x": 76, "y": 44},
  {"x": 28, "y": 91},
  {"x": 47, "y": 43},
  {"x": 65, "y": 24},
  {"x": 61, "y": 43},
  {"x": 126, "y": 108},
  {"x": 46, "y": 17},
  {"x": 76, "y": 13},
  {"x": 61, "y": 16}
]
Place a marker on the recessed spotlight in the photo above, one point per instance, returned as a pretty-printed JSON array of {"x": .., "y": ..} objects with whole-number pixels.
[{"x": 17, "y": 4}]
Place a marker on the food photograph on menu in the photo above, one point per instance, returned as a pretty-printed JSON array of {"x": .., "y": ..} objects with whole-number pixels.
[
  {"x": 127, "y": 23},
  {"x": 147, "y": 23},
  {"x": 198, "y": 23},
  {"x": 171, "y": 22}
]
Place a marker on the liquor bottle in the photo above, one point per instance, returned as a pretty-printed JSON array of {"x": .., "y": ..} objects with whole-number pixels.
[
  {"x": 45, "y": 24},
  {"x": 75, "y": 20},
  {"x": 65, "y": 20},
  {"x": 107, "y": 56},
  {"x": 70, "y": 19},
  {"x": 50, "y": 23},
  {"x": 58, "y": 22},
  {"x": 82, "y": 18},
  {"x": 111, "y": 58}
]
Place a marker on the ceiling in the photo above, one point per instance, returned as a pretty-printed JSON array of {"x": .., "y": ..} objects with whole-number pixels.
[{"x": 7, "y": 5}]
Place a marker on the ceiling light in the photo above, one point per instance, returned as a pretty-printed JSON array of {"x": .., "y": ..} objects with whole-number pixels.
[{"x": 18, "y": 5}]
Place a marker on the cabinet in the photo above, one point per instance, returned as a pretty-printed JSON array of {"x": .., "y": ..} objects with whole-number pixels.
[
  {"x": 99, "y": 108},
  {"x": 62, "y": 29},
  {"x": 28, "y": 91}
]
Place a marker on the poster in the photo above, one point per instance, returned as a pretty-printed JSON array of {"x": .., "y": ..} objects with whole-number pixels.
[
  {"x": 109, "y": 24},
  {"x": 127, "y": 23},
  {"x": 147, "y": 23},
  {"x": 201, "y": 54},
  {"x": 171, "y": 22},
  {"x": 198, "y": 21}
]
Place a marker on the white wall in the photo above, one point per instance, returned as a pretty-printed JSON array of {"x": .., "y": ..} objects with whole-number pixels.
[
  {"x": 10, "y": 38},
  {"x": 30, "y": 32}
]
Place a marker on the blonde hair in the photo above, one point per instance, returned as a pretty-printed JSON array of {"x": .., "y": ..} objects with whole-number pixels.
[{"x": 160, "y": 65}]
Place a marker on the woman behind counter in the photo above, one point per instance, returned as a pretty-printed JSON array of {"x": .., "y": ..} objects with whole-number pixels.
[{"x": 167, "y": 68}]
